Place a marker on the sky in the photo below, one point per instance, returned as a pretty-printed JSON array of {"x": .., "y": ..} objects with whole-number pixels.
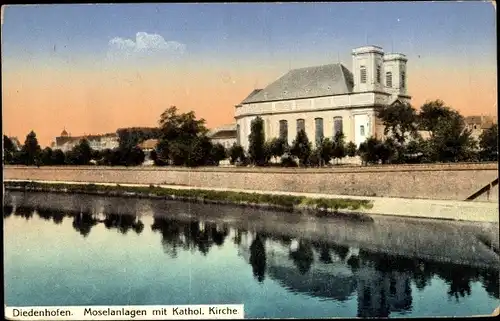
[{"x": 91, "y": 69}]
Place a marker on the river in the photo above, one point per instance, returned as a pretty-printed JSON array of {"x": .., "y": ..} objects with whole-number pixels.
[{"x": 62, "y": 249}]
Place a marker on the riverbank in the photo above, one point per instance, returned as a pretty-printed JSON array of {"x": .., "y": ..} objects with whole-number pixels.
[
  {"x": 453, "y": 182},
  {"x": 358, "y": 207},
  {"x": 316, "y": 206}
]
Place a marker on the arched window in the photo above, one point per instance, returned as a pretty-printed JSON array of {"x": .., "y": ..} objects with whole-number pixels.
[
  {"x": 379, "y": 74},
  {"x": 388, "y": 79},
  {"x": 362, "y": 130},
  {"x": 362, "y": 72},
  {"x": 403, "y": 79},
  {"x": 238, "y": 134},
  {"x": 284, "y": 130},
  {"x": 301, "y": 125},
  {"x": 337, "y": 125},
  {"x": 319, "y": 130}
]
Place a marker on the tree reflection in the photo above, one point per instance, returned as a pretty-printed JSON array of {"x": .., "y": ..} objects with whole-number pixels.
[
  {"x": 238, "y": 235},
  {"x": 25, "y": 211},
  {"x": 219, "y": 236},
  {"x": 490, "y": 280},
  {"x": 57, "y": 216},
  {"x": 44, "y": 213},
  {"x": 303, "y": 257},
  {"x": 258, "y": 258},
  {"x": 7, "y": 210},
  {"x": 123, "y": 223},
  {"x": 340, "y": 250},
  {"x": 324, "y": 252},
  {"x": 189, "y": 235},
  {"x": 83, "y": 223}
]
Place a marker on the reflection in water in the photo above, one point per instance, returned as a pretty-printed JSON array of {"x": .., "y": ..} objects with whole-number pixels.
[
  {"x": 7, "y": 210},
  {"x": 258, "y": 257},
  {"x": 303, "y": 257},
  {"x": 189, "y": 235},
  {"x": 123, "y": 223},
  {"x": 82, "y": 221},
  {"x": 382, "y": 283}
]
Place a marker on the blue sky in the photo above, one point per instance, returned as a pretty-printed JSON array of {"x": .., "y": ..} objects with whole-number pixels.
[{"x": 262, "y": 29}]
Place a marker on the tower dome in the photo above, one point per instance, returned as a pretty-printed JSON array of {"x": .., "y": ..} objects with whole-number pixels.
[{"x": 64, "y": 133}]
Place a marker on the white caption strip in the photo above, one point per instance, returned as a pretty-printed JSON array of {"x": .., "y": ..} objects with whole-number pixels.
[{"x": 137, "y": 312}]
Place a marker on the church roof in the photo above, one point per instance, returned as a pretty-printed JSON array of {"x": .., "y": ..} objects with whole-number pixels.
[
  {"x": 326, "y": 80},
  {"x": 223, "y": 128}
]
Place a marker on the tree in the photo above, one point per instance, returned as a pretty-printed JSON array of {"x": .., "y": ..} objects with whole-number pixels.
[
  {"x": 81, "y": 154},
  {"x": 325, "y": 151},
  {"x": 373, "y": 151},
  {"x": 301, "y": 148},
  {"x": 236, "y": 154},
  {"x": 399, "y": 120},
  {"x": 131, "y": 137},
  {"x": 351, "y": 149},
  {"x": 218, "y": 153},
  {"x": 58, "y": 157},
  {"x": 46, "y": 156},
  {"x": 8, "y": 150},
  {"x": 488, "y": 144},
  {"x": 256, "y": 149},
  {"x": 277, "y": 147},
  {"x": 315, "y": 158},
  {"x": 451, "y": 141},
  {"x": 30, "y": 152},
  {"x": 161, "y": 153},
  {"x": 339, "y": 150},
  {"x": 199, "y": 152},
  {"x": 183, "y": 139},
  {"x": 386, "y": 150},
  {"x": 432, "y": 114},
  {"x": 133, "y": 156}
]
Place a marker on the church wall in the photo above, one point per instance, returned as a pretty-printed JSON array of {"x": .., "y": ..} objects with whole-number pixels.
[{"x": 345, "y": 106}]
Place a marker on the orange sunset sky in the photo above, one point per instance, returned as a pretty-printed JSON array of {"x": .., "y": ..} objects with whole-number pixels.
[{"x": 92, "y": 69}]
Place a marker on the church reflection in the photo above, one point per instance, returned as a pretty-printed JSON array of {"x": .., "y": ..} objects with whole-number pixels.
[{"x": 383, "y": 284}]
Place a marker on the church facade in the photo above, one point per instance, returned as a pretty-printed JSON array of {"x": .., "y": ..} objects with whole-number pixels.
[{"x": 324, "y": 100}]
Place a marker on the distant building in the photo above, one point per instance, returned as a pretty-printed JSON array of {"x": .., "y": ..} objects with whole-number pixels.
[
  {"x": 324, "y": 100},
  {"x": 147, "y": 147},
  {"x": 66, "y": 142},
  {"x": 225, "y": 135},
  {"x": 478, "y": 124}
]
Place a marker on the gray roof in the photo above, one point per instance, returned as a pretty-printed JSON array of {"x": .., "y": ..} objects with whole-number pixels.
[
  {"x": 223, "y": 128},
  {"x": 326, "y": 80}
]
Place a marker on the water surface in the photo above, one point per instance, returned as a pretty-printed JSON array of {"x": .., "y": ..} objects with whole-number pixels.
[{"x": 89, "y": 250}]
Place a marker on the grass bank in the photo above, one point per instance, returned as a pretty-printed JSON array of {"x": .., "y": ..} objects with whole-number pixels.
[{"x": 319, "y": 206}]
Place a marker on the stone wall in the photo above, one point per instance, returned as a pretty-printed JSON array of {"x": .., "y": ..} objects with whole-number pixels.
[{"x": 446, "y": 182}]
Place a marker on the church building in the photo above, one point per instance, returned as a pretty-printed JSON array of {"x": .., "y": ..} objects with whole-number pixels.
[{"x": 324, "y": 100}]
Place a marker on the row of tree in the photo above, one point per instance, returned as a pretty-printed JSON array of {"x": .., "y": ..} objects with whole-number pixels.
[
  {"x": 449, "y": 139},
  {"x": 183, "y": 141},
  {"x": 82, "y": 154}
]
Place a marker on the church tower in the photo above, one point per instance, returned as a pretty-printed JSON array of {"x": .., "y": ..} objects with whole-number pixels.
[
  {"x": 368, "y": 68},
  {"x": 395, "y": 77}
]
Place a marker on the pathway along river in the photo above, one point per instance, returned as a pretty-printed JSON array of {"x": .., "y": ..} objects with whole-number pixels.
[{"x": 90, "y": 250}]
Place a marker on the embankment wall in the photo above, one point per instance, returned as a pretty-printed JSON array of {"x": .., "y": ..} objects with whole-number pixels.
[{"x": 435, "y": 181}]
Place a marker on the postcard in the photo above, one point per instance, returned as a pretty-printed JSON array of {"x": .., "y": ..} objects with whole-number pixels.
[{"x": 250, "y": 160}]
